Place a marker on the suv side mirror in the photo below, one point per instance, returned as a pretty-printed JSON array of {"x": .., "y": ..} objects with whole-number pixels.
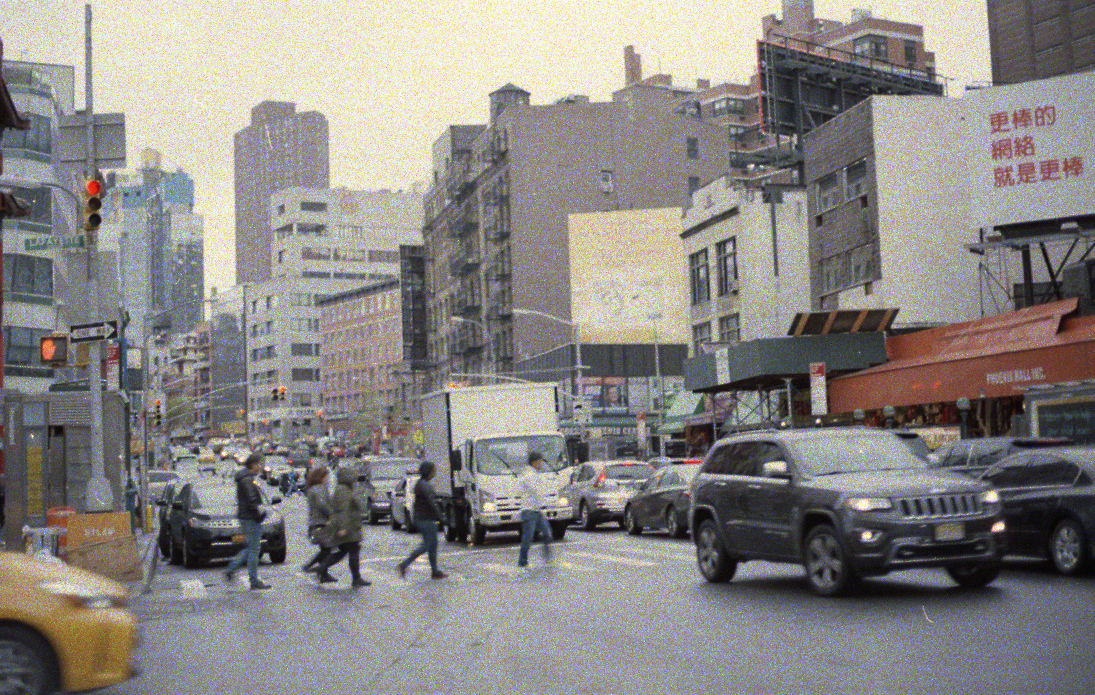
[{"x": 775, "y": 469}]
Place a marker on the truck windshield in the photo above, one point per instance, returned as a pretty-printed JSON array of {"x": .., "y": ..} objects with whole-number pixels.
[{"x": 508, "y": 455}]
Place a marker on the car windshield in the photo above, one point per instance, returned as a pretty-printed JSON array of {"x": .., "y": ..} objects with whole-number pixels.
[
  {"x": 628, "y": 471},
  {"x": 853, "y": 454},
  {"x": 508, "y": 455},
  {"x": 161, "y": 476},
  {"x": 390, "y": 469},
  {"x": 219, "y": 497}
]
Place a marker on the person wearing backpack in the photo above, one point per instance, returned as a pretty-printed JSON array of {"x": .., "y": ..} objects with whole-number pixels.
[{"x": 344, "y": 529}]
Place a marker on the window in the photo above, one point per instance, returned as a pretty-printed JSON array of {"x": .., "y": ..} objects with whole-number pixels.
[
  {"x": 692, "y": 148},
  {"x": 699, "y": 274},
  {"x": 304, "y": 350},
  {"x": 38, "y": 138},
  {"x": 726, "y": 265},
  {"x": 21, "y": 345},
  {"x": 607, "y": 184},
  {"x": 726, "y": 106},
  {"x": 828, "y": 192},
  {"x": 281, "y": 256},
  {"x": 309, "y": 253},
  {"x": 720, "y": 459},
  {"x": 281, "y": 209},
  {"x": 305, "y": 375},
  {"x": 310, "y": 206},
  {"x": 730, "y": 328},
  {"x": 855, "y": 176},
  {"x": 871, "y": 46},
  {"x": 38, "y": 201},
  {"x": 701, "y": 335},
  {"x": 910, "y": 51},
  {"x": 28, "y": 275}
]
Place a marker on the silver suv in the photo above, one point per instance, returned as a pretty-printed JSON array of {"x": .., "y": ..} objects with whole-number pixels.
[{"x": 600, "y": 490}]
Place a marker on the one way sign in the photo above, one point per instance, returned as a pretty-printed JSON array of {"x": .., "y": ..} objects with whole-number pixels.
[{"x": 93, "y": 332}]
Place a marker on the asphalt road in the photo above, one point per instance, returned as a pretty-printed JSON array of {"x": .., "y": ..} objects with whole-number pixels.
[{"x": 610, "y": 614}]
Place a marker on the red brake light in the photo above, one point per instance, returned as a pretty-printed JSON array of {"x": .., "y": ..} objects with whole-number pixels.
[{"x": 600, "y": 480}]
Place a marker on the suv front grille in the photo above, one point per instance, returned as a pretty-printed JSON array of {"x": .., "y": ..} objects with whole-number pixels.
[{"x": 940, "y": 505}]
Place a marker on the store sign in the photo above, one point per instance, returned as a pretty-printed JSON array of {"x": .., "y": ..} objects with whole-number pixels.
[{"x": 1032, "y": 156}]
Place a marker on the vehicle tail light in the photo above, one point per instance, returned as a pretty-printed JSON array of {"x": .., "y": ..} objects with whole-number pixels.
[{"x": 600, "y": 481}]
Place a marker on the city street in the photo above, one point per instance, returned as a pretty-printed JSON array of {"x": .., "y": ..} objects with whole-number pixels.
[{"x": 611, "y": 614}]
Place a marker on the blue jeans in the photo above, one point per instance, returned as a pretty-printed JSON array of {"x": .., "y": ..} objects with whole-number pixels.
[
  {"x": 428, "y": 529},
  {"x": 531, "y": 522},
  {"x": 252, "y": 531}
]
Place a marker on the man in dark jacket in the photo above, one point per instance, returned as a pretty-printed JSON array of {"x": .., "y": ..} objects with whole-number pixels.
[
  {"x": 427, "y": 515},
  {"x": 250, "y": 513}
]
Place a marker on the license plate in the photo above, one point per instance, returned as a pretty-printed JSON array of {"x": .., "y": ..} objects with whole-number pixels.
[
  {"x": 239, "y": 538},
  {"x": 950, "y": 532}
]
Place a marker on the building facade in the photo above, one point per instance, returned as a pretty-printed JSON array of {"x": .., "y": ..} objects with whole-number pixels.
[
  {"x": 1035, "y": 39},
  {"x": 279, "y": 149},
  {"x": 497, "y": 211},
  {"x": 746, "y": 263}
]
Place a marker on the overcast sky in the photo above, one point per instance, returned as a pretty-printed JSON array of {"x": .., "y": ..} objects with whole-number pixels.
[{"x": 390, "y": 76}]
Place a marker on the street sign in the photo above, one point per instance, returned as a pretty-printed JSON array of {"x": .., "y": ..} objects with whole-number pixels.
[
  {"x": 70, "y": 140},
  {"x": 76, "y": 241},
  {"x": 93, "y": 332}
]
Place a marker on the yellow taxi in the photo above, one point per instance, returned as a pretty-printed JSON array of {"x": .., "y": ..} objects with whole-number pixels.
[{"x": 61, "y": 628}]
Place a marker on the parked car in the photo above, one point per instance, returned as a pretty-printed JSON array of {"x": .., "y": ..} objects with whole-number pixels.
[
  {"x": 158, "y": 480},
  {"x": 202, "y": 525},
  {"x": 974, "y": 456},
  {"x": 916, "y": 444},
  {"x": 61, "y": 628},
  {"x": 187, "y": 463},
  {"x": 659, "y": 462},
  {"x": 662, "y": 502},
  {"x": 599, "y": 490},
  {"x": 1049, "y": 504},
  {"x": 845, "y": 503},
  {"x": 378, "y": 479},
  {"x": 163, "y": 502},
  {"x": 403, "y": 501}
]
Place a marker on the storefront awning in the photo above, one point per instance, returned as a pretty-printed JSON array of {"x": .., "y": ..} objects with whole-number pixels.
[
  {"x": 685, "y": 404},
  {"x": 989, "y": 358}
]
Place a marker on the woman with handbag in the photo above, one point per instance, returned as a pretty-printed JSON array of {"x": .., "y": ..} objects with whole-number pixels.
[{"x": 319, "y": 515}]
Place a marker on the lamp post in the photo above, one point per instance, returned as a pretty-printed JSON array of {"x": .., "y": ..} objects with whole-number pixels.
[
  {"x": 578, "y": 366},
  {"x": 486, "y": 337}
]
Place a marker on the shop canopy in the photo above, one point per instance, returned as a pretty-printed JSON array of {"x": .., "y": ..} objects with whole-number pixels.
[
  {"x": 989, "y": 358},
  {"x": 684, "y": 405}
]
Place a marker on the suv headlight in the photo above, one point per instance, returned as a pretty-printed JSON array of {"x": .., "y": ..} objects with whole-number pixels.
[
  {"x": 990, "y": 497},
  {"x": 83, "y": 596},
  {"x": 869, "y": 504}
]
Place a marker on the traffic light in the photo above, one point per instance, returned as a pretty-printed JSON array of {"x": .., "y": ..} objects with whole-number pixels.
[
  {"x": 281, "y": 393},
  {"x": 93, "y": 203},
  {"x": 157, "y": 413},
  {"x": 53, "y": 350},
  {"x": 277, "y": 393}
]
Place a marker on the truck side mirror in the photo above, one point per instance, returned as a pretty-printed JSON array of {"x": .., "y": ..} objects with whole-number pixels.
[{"x": 455, "y": 460}]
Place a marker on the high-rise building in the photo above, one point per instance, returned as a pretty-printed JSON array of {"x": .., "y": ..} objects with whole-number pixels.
[
  {"x": 1034, "y": 39},
  {"x": 149, "y": 222},
  {"x": 496, "y": 222},
  {"x": 281, "y": 148}
]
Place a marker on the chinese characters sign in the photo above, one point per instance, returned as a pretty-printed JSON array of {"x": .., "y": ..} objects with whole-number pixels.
[{"x": 1032, "y": 150}]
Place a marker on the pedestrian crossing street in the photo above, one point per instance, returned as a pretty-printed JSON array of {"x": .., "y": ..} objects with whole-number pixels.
[{"x": 581, "y": 559}]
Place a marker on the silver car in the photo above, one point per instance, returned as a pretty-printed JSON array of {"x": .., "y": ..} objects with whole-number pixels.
[
  {"x": 600, "y": 490},
  {"x": 402, "y": 504}
]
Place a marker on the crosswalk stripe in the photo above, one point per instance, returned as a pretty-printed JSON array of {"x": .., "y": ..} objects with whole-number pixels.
[
  {"x": 193, "y": 589},
  {"x": 615, "y": 559},
  {"x": 572, "y": 566},
  {"x": 508, "y": 570}
]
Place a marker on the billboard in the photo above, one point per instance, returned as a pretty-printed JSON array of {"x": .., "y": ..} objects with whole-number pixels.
[{"x": 1031, "y": 151}]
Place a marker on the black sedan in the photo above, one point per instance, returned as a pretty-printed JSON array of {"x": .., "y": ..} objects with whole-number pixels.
[
  {"x": 1048, "y": 497},
  {"x": 202, "y": 525},
  {"x": 662, "y": 501},
  {"x": 974, "y": 456}
]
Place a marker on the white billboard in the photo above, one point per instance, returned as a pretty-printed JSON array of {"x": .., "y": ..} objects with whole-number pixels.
[{"x": 1032, "y": 150}]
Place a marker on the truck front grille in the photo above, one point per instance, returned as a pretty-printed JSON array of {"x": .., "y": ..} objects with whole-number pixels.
[{"x": 940, "y": 506}]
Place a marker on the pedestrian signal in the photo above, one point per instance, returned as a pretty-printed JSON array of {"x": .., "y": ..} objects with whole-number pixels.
[{"x": 53, "y": 350}]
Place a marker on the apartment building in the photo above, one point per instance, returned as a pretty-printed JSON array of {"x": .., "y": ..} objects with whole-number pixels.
[
  {"x": 496, "y": 213},
  {"x": 1036, "y": 39}
]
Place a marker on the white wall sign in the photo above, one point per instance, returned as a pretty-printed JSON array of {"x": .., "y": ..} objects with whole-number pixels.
[{"x": 819, "y": 396}]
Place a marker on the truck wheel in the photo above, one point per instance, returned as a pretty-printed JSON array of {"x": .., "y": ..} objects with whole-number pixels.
[
  {"x": 973, "y": 577},
  {"x": 478, "y": 533},
  {"x": 450, "y": 530},
  {"x": 559, "y": 529}
]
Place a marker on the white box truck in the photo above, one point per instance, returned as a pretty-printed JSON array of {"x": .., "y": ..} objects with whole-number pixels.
[{"x": 480, "y": 437}]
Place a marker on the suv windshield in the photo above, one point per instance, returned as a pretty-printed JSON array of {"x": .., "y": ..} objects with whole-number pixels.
[
  {"x": 853, "y": 454},
  {"x": 628, "y": 471},
  {"x": 508, "y": 455}
]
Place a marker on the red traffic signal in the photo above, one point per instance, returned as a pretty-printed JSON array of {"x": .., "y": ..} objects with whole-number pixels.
[
  {"x": 93, "y": 202},
  {"x": 93, "y": 187}
]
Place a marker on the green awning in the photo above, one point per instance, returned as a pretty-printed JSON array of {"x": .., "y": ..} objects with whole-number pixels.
[{"x": 685, "y": 404}]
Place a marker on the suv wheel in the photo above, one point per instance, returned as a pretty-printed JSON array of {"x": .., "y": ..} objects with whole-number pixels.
[
  {"x": 827, "y": 568},
  {"x": 973, "y": 577},
  {"x": 630, "y": 524},
  {"x": 711, "y": 558},
  {"x": 1067, "y": 547}
]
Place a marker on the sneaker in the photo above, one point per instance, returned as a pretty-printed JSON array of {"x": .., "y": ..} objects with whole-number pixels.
[
  {"x": 360, "y": 582},
  {"x": 438, "y": 575},
  {"x": 260, "y": 585},
  {"x": 325, "y": 578}
]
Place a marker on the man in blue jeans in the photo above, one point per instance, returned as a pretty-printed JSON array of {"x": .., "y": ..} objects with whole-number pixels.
[
  {"x": 426, "y": 515},
  {"x": 250, "y": 514},
  {"x": 532, "y": 509}
]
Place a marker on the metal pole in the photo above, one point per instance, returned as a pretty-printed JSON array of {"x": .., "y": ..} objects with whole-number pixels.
[
  {"x": 578, "y": 378},
  {"x": 146, "y": 390},
  {"x": 790, "y": 404},
  {"x": 661, "y": 392},
  {"x": 100, "y": 495},
  {"x": 246, "y": 372}
]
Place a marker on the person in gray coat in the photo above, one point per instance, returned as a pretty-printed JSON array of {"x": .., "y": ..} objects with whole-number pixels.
[
  {"x": 345, "y": 529},
  {"x": 319, "y": 515}
]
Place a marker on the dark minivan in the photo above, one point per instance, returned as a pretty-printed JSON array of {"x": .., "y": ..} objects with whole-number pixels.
[{"x": 845, "y": 503}]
